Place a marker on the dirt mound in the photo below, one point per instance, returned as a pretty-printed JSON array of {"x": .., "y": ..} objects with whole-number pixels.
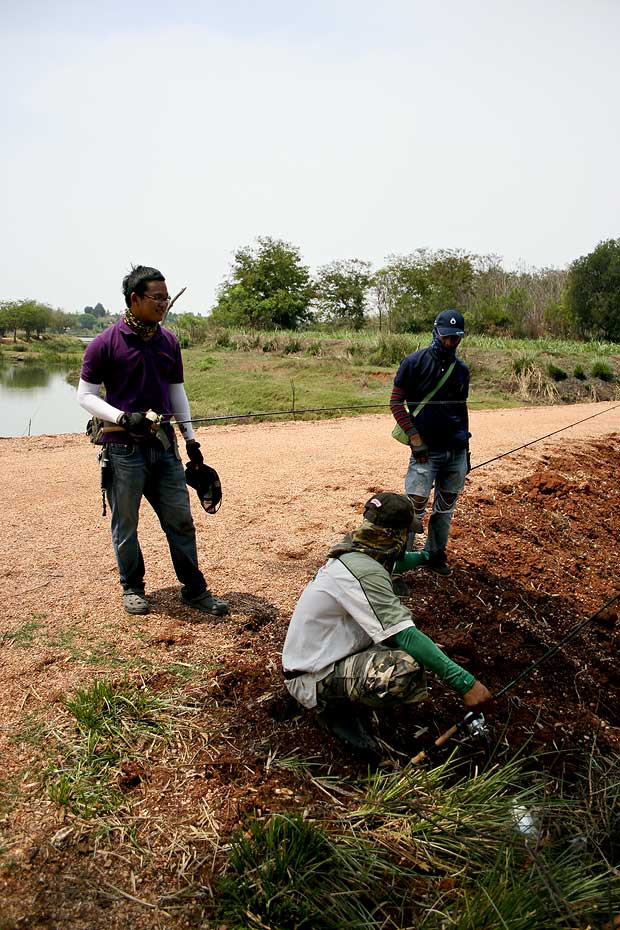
[{"x": 545, "y": 557}]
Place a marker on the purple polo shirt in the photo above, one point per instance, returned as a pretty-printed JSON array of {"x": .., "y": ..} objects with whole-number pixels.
[{"x": 137, "y": 373}]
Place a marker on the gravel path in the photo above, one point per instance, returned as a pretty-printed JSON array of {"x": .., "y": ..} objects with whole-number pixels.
[{"x": 289, "y": 490}]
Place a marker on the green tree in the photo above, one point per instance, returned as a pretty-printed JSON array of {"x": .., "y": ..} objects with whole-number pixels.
[
  {"x": 87, "y": 321},
  {"x": 35, "y": 317},
  {"x": 99, "y": 310},
  {"x": 10, "y": 318},
  {"x": 341, "y": 290},
  {"x": 190, "y": 327},
  {"x": 400, "y": 288},
  {"x": 268, "y": 287},
  {"x": 558, "y": 319},
  {"x": 62, "y": 321},
  {"x": 27, "y": 315},
  {"x": 412, "y": 289},
  {"x": 593, "y": 291}
]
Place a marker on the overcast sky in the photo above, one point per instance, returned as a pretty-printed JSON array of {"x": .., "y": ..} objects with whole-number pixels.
[{"x": 171, "y": 133}]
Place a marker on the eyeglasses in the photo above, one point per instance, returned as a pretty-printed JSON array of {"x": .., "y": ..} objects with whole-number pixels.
[{"x": 158, "y": 299}]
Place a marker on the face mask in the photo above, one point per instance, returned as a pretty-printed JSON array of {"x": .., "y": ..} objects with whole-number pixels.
[{"x": 440, "y": 351}]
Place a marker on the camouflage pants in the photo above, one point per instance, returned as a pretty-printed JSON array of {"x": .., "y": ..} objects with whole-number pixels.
[{"x": 377, "y": 677}]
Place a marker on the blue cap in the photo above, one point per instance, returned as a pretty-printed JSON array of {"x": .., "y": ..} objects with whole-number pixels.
[{"x": 450, "y": 323}]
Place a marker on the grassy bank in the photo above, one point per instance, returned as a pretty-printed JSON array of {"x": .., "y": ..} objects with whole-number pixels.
[
  {"x": 47, "y": 351},
  {"x": 250, "y": 372},
  {"x": 430, "y": 849},
  {"x": 256, "y": 372}
]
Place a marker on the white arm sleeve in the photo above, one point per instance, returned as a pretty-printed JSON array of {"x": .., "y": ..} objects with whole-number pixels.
[
  {"x": 180, "y": 408},
  {"x": 88, "y": 398}
]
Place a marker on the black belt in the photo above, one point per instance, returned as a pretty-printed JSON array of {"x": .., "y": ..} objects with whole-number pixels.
[{"x": 293, "y": 674}]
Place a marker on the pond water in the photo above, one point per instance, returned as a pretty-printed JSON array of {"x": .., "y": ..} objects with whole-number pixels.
[{"x": 38, "y": 401}]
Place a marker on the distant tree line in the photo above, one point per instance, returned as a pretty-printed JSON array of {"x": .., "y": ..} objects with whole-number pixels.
[
  {"x": 33, "y": 319},
  {"x": 269, "y": 287}
]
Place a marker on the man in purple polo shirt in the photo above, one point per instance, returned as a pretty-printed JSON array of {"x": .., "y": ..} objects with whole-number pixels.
[{"x": 139, "y": 363}]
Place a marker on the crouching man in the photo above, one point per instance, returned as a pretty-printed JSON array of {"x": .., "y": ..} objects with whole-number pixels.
[{"x": 352, "y": 645}]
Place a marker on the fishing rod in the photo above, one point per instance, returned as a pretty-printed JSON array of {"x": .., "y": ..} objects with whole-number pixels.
[
  {"x": 553, "y": 649},
  {"x": 474, "y": 723},
  {"x": 274, "y": 413},
  {"x": 297, "y": 410},
  {"x": 172, "y": 303}
]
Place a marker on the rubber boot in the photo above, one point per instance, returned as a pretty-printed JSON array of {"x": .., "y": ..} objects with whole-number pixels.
[
  {"x": 349, "y": 723},
  {"x": 438, "y": 563}
]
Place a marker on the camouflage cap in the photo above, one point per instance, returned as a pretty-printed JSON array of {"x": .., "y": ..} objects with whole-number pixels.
[{"x": 389, "y": 509}]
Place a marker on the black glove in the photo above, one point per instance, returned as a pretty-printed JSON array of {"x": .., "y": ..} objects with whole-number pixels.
[
  {"x": 193, "y": 452},
  {"x": 420, "y": 453},
  {"x": 136, "y": 423}
]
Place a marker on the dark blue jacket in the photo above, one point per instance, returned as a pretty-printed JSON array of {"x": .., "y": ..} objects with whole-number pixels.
[{"x": 443, "y": 425}]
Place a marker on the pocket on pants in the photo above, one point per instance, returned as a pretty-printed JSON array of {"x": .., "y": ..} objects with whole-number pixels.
[{"x": 120, "y": 449}]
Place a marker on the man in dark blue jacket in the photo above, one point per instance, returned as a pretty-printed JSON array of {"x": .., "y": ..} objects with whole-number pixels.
[{"x": 439, "y": 433}]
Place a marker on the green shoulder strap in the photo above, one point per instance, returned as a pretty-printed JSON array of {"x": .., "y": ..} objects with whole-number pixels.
[
  {"x": 398, "y": 433},
  {"x": 434, "y": 390}
]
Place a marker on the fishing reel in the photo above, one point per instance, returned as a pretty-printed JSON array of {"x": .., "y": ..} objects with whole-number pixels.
[
  {"x": 156, "y": 420},
  {"x": 475, "y": 725}
]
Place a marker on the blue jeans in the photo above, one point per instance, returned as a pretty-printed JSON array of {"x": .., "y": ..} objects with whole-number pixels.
[
  {"x": 158, "y": 475},
  {"x": 446, "y": 472}
]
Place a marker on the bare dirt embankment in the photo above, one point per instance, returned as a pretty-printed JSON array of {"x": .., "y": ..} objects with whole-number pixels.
[{"x": 535, "y": 546}]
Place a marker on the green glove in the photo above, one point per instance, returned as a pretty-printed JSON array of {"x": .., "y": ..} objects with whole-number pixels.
[{"x": 410, "y": 560}]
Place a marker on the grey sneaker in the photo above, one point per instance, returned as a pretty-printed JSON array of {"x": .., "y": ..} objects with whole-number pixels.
[
  {"x": 207, "y": 604},
  {"x": 135, "y": 603}
]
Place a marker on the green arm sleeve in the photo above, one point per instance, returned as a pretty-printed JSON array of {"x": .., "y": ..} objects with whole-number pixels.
[{"x": 424, "y": 650}]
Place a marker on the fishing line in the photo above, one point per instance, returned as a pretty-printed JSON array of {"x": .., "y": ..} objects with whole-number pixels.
[
  {"x": 540, "y": 439},
  {"x": 298, "y": 410}
]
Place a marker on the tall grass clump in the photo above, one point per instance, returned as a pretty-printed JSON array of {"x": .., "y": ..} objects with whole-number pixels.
[
  {"x": 510, "y": 845},
  {"x": 112, "y": 722},
  {"x": 287, "y": 873},
  {"x": 388, "y": 351},
  {"x": 602, "y": 370},
  {"x": 531, "y": 382},
  {"x": 434, "y": 850},
  {"x": 556, "y": 373}
]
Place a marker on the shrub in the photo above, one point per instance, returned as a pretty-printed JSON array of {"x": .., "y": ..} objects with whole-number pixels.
[
  {"x": 579, "y": 373},
  {"x": 602, "y": 370},
  {"x": 288, "y": 873},
  {"x": 522, "y": 363},
  {"x": 291, "y": 347},
  {"x": 557, "y": 374},
  {"x": 389, "y": 351},
  {"x": 223, "y": 340},
  {"x": 532, "y": 383}
]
